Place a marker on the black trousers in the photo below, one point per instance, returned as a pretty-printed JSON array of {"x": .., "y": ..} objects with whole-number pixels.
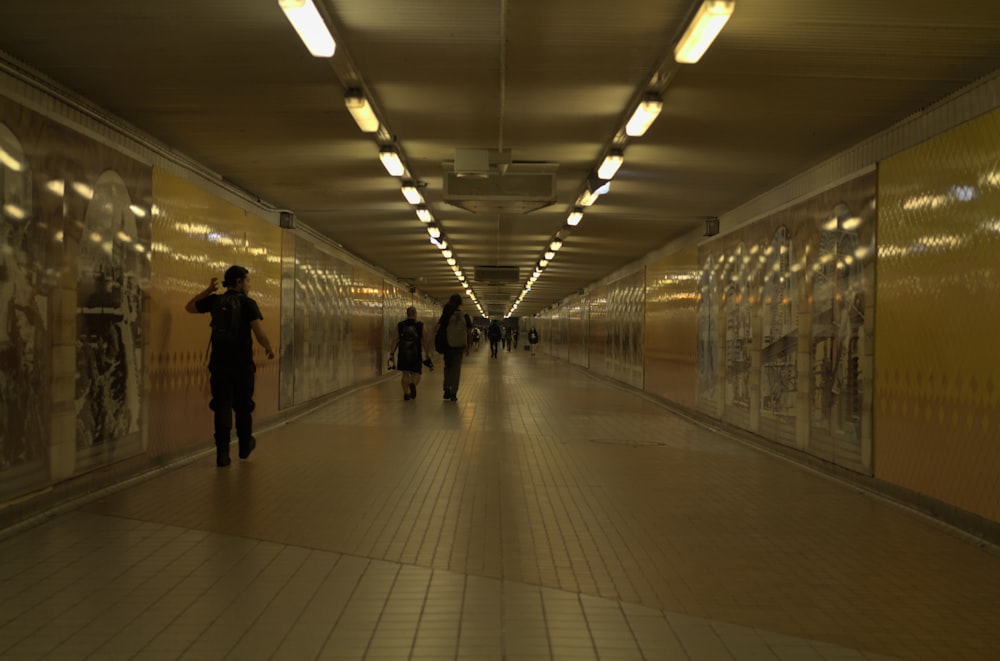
[
  {"x": 452, "y": 369},
  {"x": 232, "y": 392}
]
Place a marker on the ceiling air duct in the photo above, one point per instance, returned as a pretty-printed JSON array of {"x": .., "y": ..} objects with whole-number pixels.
[{"x": 487, "y": 180}]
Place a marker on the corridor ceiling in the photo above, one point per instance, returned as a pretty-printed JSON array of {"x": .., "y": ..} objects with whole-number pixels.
[{"x": 228, "y": 83}]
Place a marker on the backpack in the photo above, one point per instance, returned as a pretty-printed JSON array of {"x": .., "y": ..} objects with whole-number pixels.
[
  {"x": 227, "y": 321},
  {"x": 409, "y": 341},
  {"x": 457, "y": 335},
  {"x": 441, "y": 337}
]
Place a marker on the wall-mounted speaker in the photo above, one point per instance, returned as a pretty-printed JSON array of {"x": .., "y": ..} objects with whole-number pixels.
[{"x": 287, "y": 220}]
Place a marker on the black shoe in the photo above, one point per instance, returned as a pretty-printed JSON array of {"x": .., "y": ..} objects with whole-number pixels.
[
  {"x": 454, "y": 398},
  {"x": 413, "y": 391},
  {"x": 222, "y": 460},
  {"x": 406, "y": 398},
  {"x": 247, "y": 448},
  {"x": 447, "y": 394}
]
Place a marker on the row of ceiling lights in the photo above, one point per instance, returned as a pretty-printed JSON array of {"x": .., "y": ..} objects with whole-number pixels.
[
  {"x": 701, "y": 31},
  {"x": 313, "y": 31}
]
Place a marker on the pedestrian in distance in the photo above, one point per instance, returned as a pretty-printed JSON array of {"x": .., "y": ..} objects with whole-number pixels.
[
  {"x": 494, "y": 333},
  {"x": 411, "y": 343},
  {"x": 235, "y": 316},
  {"x": 532, "y": 339}
]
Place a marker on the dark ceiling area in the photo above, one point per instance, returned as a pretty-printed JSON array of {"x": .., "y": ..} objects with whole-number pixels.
[{"x": 502, "y": 110}]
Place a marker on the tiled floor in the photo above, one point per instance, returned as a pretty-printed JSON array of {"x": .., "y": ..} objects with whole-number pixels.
[{"x": 545, "y": 515}]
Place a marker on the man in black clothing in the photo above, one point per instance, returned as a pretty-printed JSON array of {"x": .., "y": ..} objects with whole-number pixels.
[
  {"x": 494, "y": 333},
  {"x": 411, "y": 342},
  {"x": 234, "y": 316}
]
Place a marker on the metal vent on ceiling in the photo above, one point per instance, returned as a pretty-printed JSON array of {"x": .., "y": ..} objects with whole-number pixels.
[
  {"x": 488, "y": 180},
  {"x": 496, "y": 274}
]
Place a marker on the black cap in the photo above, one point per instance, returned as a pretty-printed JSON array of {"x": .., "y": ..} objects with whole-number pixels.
[{"x": 233, "y": 274}]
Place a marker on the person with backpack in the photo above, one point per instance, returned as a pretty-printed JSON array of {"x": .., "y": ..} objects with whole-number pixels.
[
  {"x": 451, "y": 339},
  {"x": 234, "y": 317},
  {"x": 411, "y": 342},
  {"x": 532, "y": 339}
]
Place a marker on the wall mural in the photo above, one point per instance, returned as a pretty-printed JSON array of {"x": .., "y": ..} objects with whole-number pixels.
[
  {"x": 794, "y": 288},
  {"x": 838, "y": 327},
  {"x": 738, "y": 331},
  {"x": 112, "y": 264},
  {"x": 708, "y": 331},
  {"x": 24, "y": 355},
  {"x": 779, "y": 329}
]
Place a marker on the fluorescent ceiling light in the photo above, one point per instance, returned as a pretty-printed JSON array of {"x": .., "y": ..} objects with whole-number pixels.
[
  {"x": 304, "y": 17},
  {"x": 550, "y": 255},
  {"x": 424, "y": 215},
  {"x": 702, "y": 30},
  {"x": 434, "y": 231},
  {"x": 412, "y": 194},
  {"x": 609, "y": 167},
  {"x": 543, "y": 263},
  {"x": 447, "y": 254},
  {"x": 390, "y": 159},
  {"x": 586, "y": 199},
  {"x": 361, "y": 110},
  {"x": 603, "y": 188},
  {"x": 574, "y": 218},
  {"x": 555, "y": 245},
  {"x": 645, "y": 114},
  {"x": 451, "y": 261}
]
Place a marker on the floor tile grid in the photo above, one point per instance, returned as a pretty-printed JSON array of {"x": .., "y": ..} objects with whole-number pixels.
[{"x": 730, "y": 581}]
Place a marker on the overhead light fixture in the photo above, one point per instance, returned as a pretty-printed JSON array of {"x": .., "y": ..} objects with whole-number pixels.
[
  {"x": 451, "y": 261},
  {"x": 574, "y": 218},
  {"x": 361, "y": 110},
  {"x": 435, "y": 233},
  {"x": 447, "y": 254},
  {"x": 390, "y": 159},
  {"x": 702, "y": 30},
  {"x": 543, "y": 263},
  {"x": 424, "y": 214},
  {"x": 412, "y": 193},
  {"x": 609, "y": 167},
  {"x": 555, "y": 245},
  {"x": 645, "y": 114},
  {"x": 304, "y": 17},
  {"x": 586, "y": 198},
  {"x": 603, "y": 188},
  {"x": 550, "y": 255}
]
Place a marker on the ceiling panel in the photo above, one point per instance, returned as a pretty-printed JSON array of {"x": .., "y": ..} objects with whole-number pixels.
[{"x": 228, "y": 83}]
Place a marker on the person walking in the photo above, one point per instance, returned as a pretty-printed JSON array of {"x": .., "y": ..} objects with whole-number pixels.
[
  {"x": 411, "y": 343},
  {"x": 532, "y": 339},
  {"x": 494, "y": 333},
  {"x": 231, "y": 368},
  {"x": 452, "y": 338}
]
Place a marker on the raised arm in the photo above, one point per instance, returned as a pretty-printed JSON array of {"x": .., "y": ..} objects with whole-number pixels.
[{"x": 192, "y": 305}]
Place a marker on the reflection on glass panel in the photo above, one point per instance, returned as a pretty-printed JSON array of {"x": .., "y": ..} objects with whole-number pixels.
[
  {"x": 109, "y": 310},
  {"x": 838, "y": 328},
  {"x": 779, "y": 344}
]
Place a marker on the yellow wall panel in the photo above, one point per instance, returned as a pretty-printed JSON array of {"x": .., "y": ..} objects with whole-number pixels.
[
  {"x": 938, "y": 313},
  {"x": 671, "y": 333},
  {"x": 196, "y": 236}
]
